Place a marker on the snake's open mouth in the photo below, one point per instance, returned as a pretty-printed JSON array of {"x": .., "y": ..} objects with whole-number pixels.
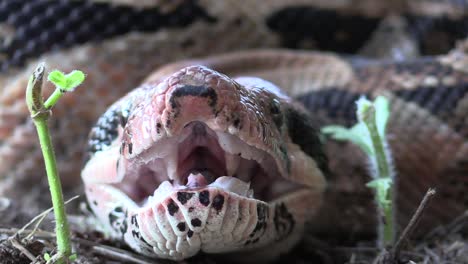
[{"x": 201, "y": 157}]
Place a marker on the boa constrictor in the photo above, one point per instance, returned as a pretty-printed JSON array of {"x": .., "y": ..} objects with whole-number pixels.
[{"x": 118, "y": 44}]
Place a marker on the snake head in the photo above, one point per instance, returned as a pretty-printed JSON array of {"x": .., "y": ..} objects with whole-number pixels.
[{"x": 202, "y": 162}]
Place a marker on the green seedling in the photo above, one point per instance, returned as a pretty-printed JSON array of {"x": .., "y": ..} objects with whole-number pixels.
[
  {"x": 369, "y": 135},
  {"x": 40, "y": 113}
]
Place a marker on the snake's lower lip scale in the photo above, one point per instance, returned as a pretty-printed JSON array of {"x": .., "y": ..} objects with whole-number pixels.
[{"x": 228, "y": 184}]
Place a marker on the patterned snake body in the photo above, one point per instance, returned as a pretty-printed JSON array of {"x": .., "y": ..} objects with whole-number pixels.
[{"x": 427, "y": 130}]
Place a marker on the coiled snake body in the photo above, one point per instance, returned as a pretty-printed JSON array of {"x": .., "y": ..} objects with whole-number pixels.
[{"x": 201, "y": 115}]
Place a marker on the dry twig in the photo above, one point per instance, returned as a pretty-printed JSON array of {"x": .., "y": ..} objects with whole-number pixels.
[{"x": 392, "y": 256}]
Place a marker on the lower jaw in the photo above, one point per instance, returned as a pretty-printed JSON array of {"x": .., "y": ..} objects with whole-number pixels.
[
  {"x": 197, "y": 184},
  {"x": 215, "y": 220}
]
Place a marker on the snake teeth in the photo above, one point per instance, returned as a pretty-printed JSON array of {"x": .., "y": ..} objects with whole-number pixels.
[
  {"x": 171, "y": 161},
  {"x": 232, "y": 163},
  {"x": 202, "y": 157},
  {"x": 233, "y": 185}
]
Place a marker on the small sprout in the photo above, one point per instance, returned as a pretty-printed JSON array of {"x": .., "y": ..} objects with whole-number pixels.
[
  {"x": 369, "y": 135},
  {"x": 68, "y": 82},
  {"x": 40, "y": 113},
  {"x": 63, "y": 83}
]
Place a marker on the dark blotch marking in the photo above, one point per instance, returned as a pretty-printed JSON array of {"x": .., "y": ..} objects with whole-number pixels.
[
  {"x": 88, "y": 207},
  {"x": 172, "y": 207},
  {"x": 130, "y": 148},
  {"x": 218, "y": 202},
  {"x": 190, "y": 233},
  {"x": 337, "y": 103},
  {"x": 107, "y": 21},
  {"x": 158, "y": 128},
  {"x": 283, "y": 220},
  {"x": 441, "y": 101},
  {"x": 336, "y": 31},
  {"x": 260, "y": 227},
  {"x": 181, "y": 226},
  {"x": 191, "y": 208},
  {"x": 193, "y": 90},
  {"x": 437, "y": 34},
  {"x": 262, "y": 216},
  {"x": 133, "y": 221},
  {"x": 95, "y": 202},
  {"x": 105, "y": 130},
  {"x": 204, "y": 198},
  {"x": 195, "y": 222},
  {"x": 302, "y": 130},
  {"x": 183, "y": 197},
  {"x": 138, "y": 236},
  {"x": 118, "y": 220}
]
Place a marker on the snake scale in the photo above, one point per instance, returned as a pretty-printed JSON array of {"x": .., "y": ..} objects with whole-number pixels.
[{"x": 404, "y": 50}]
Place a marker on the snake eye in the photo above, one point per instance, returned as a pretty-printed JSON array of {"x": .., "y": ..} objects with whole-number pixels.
[
  {"x": 124, "y": 116},
  {"x": 275, "y": 110},
  {"x": 275, "y": 106}
]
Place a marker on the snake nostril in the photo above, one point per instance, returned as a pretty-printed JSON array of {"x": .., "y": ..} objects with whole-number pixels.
[{"x": 199, "y": 129}]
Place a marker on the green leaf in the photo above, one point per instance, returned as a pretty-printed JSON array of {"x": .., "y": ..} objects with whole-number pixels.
[
  {"x": 356, "y": 134},
  {"x": 73, "y": 257},
  {"x": 74, "y": 79},
  {"x": 363, "y": 106},
  {"x": 382, "y": 187},
  {"x": 362, "y": 132},
  {"x": 66, "y": 82},
  {"x": 58, "y": 78},
  {"x": 382, "y": 108},
  {"x": 47, "y": 257}
]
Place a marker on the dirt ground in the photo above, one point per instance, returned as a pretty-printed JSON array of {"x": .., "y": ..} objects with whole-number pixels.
[{"x": 445, "y": 244}]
